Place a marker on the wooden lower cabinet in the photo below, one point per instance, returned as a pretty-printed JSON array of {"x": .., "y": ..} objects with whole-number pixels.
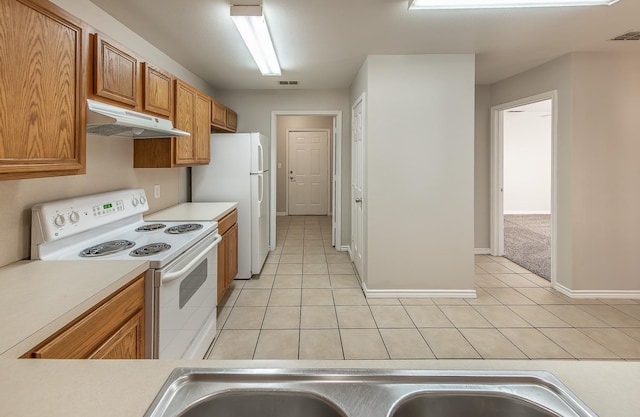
[
  {"x": 113, "y": 329},
  {"x": 227, "y": 252}
]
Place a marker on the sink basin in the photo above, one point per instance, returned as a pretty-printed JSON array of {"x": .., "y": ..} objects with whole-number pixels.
[
  {"x": 263, "y": 404},
  {"x": 194, "y": 392},
  {"x": 477, "y": 405}
]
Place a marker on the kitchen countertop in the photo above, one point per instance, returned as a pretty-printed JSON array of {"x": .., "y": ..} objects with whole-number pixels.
[
  {"x": 38, "y": 298},
  {"x": 193, "y": 212},
  {"x": 55, "y": 388}
]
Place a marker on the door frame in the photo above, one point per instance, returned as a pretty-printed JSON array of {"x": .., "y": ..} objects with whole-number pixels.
[
  {"x": 336, "y": 160},
  {"x": 497, "y": 174},
  {"x": 328, "y": 131},
  {"x": 361, "y": 274}
]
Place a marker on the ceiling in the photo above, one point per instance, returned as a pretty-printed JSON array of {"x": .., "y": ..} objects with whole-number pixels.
[{"x": 323, "y": 43}]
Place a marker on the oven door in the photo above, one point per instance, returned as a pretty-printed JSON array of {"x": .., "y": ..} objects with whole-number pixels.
[{"x": 185, "y": 294}]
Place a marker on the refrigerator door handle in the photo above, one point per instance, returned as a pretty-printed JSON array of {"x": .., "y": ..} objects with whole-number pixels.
[
  {"x": 260, "y": 158},
  {"x": 260, "y": 192}
]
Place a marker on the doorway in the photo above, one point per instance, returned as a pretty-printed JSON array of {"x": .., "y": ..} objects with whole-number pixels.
[
  {"x": 308, "y": 120},
  {"x": 524, "y": 182},
  {"x": 308, "y": 172}
]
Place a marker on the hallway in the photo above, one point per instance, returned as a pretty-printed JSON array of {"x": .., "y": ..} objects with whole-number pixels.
[{"x": 307, "y": 304}]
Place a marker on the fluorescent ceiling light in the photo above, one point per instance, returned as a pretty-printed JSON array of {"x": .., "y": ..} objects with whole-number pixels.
[
  {"x": 492, "y": 4},
  {"x": 253, "y": 29}
]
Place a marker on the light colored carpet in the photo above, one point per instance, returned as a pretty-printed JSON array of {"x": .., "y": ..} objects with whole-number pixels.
[{"x": 527, "y": 242}]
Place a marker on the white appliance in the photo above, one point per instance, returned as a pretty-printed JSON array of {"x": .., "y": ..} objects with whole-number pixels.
[
  {"x": 181, "y": 284},
  {"x": 240, "y": 171},
  {"x": 107, "y": 120}
]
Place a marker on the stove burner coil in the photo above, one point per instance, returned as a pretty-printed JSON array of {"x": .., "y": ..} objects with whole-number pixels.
[
  {"x": 183, "y": 228},
  {"x": 151, "y": 227},
  {"x": 151, "y": 249},
  {"x": 107, "y": 248}
]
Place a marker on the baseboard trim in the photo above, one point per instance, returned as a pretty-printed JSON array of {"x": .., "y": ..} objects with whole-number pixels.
[
  {"x": 282, "y": 213},
  {"x": 527, "y": 212},
  {"x": 345, "y": 248},
  {"x": 418, "y": 293},
  {"x": 586, "y": 294},
  {"x": 482, "y": 251}
]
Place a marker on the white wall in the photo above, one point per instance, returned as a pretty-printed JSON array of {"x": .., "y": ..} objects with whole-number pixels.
[
  {"x": 254, "y": 109},
  {"x": 527, "y": 162},
  {"x": 606, "y": 171},
  {"x": 482, "y": 169},
  {"x": 109, "y": 160},
  {"x": 598, "y": 197},
  {"x": 419, "y": 174}
]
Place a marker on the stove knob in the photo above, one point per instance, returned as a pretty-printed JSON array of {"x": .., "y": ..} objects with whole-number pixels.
[
  {"x": 142, "y": 199},
  {"x": 74, "y": 217},
  {"x": 59, "y": 220},
  {"x": 135, "y": 202}
]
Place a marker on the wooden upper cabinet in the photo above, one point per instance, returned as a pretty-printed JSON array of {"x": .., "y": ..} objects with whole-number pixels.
[
  {"x": 202, "y": 134},
  {"x": 223, "y": 119},
  {"x": 115, "y": 72},
  {"x": 218, "y": 114},
  {"x": 158, "y": 90},
  {"x": 43, "y": 52},
  {"x": 185, "y": 112},
  {"x": 232, "y": 120}
]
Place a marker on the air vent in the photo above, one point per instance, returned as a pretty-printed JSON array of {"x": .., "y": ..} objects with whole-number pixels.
[
  {"x": 629, "y": 36},
  {"x": 288, "y": 82}
]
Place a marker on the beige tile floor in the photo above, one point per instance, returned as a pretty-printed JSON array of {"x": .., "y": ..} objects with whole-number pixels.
[{"x": 307, "y": 304}]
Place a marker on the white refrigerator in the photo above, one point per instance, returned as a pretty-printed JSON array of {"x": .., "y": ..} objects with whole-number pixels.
[{"x": 239, "y": 171}]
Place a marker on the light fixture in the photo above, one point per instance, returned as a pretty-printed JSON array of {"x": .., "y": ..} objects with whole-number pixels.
[
  {"x": 493, "y": 4},
  {"x": 255, "y": 34}
]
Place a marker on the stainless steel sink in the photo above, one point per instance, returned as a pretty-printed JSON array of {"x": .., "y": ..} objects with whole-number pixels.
[
  {"x": 263, "y": 404},
  {"x": 193, "y": 392},
  {"x": 471, "y": 404}
]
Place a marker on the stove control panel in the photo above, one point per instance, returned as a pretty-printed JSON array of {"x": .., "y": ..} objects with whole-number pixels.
[{"x": 58, "y": 219}]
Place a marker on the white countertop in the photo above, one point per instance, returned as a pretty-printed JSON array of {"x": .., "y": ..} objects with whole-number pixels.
[
  {"x": 37, "y": 298},
  {"x": 193, "y": 212},
  {"x": 60, "y": 388}
]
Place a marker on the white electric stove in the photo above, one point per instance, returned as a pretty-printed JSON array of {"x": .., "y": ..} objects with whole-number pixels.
[{"x": 181, "y": 283}]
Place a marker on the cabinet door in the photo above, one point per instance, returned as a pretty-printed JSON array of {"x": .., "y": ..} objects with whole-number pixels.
[
  {"x": 158, "y": 90},
  {"x": 185, "y": 111},
  {"x": 202, "y": 135},
  {"x": 218, "y": 114},
  {"x": 126, "y": 343},
  {"x": 103, "y": 332},
  {"x": 116, "y": 73},
  {"x": 43, "y": 54},
  {"x": 232, "y": 120},
  {"x": 231, "y": 259}
]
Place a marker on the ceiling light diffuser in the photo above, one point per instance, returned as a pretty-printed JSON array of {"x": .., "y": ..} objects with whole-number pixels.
[
  {"x": 253, "y": 28},
  {"x": 493, "y": 4}
]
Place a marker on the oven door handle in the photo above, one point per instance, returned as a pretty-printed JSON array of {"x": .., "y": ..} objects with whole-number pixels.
[{"x": 172, "y": 276}]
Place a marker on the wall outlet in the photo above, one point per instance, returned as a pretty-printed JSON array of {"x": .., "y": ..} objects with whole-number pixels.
[{"x": 156, "y": 191}]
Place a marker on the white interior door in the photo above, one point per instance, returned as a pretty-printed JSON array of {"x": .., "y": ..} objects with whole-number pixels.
[
  {"x": 308, "y": 173},
  {"x": 357, "y": 177}
]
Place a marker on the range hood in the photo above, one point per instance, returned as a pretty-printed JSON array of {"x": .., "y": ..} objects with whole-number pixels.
[{"x": 107, "y": 120}]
